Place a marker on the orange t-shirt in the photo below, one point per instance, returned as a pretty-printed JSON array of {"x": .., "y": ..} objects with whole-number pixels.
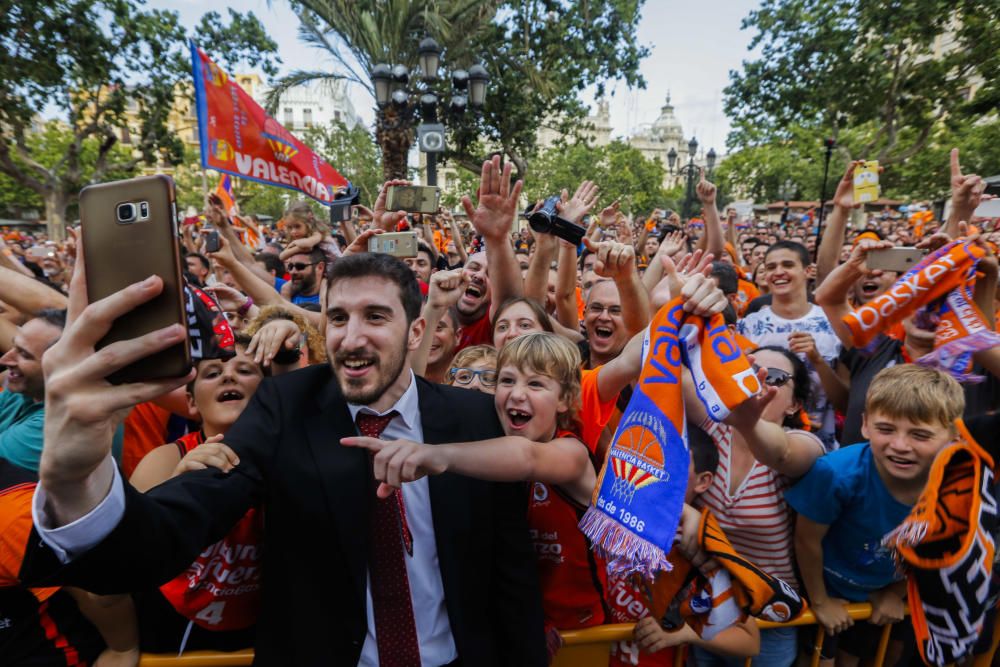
[
  {"x": 745, "y": 293},
  {"x": 145, "y": 430},
  {"x": 15, "y": 528},
  {"x": 594, "y": 415}
]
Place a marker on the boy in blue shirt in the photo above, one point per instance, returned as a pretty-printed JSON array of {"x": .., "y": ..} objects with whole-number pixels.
[{"x": 851, "y": 498}]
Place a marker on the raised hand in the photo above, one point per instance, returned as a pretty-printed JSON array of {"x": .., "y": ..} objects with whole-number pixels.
[
  {"x": 966, "y": 190},
  {"x": 215, "y": 212},
  {"x": 271, "y": 338},
  {"x": 705, "y": 189},
  {"x": 609, "y": 214},
  {"x": 859, "y": 255},
  {"x": 229, "y": 299},
  {"x": 614, "y": 260},
  {"x": 746, "y": 415},
  {"x": 224, "y": 255},
  {"x": 579, "y": 205},
  {"x": 494, "y": 214},
  {"x": 360, "y": 243},
  {"x": 387, "y": 220},
  {"x": 672, "y": 243},
  {"x": 844, "y": 196},
  {"x": 446, "y": 288}
]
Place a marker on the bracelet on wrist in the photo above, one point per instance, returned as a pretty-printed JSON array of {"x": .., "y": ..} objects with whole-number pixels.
[{"x": 245, "y": 308}]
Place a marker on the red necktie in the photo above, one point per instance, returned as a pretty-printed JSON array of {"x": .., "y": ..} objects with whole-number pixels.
[{"x": 395, "y": 629}]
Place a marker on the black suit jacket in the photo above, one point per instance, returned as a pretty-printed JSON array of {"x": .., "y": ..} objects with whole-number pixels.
[{"x": 316, "y": 496}]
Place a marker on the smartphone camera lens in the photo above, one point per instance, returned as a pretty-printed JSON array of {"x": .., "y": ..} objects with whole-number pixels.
[{"x": 125, "y": 212}]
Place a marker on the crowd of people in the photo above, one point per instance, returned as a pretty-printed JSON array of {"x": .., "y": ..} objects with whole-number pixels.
[{"x": 385, "y": 460}]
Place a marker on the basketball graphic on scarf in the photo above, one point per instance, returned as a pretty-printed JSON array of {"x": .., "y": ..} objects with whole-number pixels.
[{"x": 639, "y": 460}]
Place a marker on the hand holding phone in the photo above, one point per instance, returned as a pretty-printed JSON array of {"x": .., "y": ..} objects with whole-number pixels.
[
  {"x": 397, "y": 244},
  {"x": 866, "y": 187},
  {"x": 899, "y": 260},
  {"x": 212, "y": 243}
]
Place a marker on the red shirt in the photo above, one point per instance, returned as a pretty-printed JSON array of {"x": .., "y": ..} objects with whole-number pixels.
[
  {"x": 220, "y": 590},
  {"x": 573, "y": 579},
  {"x": 477, "y": 333},
  {"x": 628, "y": 604}
]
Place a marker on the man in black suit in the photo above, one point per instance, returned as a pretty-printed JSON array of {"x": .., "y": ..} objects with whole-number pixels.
[{"x": 441, "y": 573}]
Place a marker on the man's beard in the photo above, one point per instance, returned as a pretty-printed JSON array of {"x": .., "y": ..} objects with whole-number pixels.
[
  {"x": 306, "y": 284},
  {"x": 385, "y": 376}
]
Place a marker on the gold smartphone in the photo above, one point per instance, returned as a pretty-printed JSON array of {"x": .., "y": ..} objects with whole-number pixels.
[
  {"x": 899, "y": 260},
  {"x": 129, "y": 231},
  {"x": 397, "y": 244},
  {"x": 413, "y": 198}
]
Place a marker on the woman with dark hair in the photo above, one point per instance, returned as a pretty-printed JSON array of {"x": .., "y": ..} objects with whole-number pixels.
[{"x": 762, "y": 449}]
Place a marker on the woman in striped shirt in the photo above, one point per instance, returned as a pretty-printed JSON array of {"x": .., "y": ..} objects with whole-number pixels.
[{"x": 762, "y": 447}]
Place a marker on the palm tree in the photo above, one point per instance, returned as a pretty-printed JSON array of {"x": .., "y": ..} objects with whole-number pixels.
[{"x": 358, "y": 34}]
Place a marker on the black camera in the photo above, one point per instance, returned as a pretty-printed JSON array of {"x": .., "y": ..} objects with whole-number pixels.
[
  {"x": 545, "y": 220},
  {"x": 340, "y": 207}
]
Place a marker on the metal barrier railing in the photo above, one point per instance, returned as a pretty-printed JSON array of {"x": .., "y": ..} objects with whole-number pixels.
[{"x": 581, "y": 648}]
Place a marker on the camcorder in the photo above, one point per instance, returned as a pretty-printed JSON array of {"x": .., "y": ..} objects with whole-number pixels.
[
  {"x": 545, "y": 220},
  {"x": 340, "y": 207}
]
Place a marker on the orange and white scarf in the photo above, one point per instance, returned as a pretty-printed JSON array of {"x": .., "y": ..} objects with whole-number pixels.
[{"x": 940, "y": 291}]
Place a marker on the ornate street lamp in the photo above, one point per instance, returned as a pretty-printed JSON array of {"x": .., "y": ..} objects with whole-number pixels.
[{"x": 410, "y": 97}]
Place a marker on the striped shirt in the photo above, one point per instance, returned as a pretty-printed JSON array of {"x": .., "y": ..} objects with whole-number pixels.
[{"x": 756, "y": 518}]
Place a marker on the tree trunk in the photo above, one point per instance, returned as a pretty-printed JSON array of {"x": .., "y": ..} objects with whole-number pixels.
[
  {"x": 394, "y": 142},
  {"x": 55, "y": 215}
]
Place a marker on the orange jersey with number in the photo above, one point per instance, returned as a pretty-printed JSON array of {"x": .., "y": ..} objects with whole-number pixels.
[{"x": 220, "y": 590}]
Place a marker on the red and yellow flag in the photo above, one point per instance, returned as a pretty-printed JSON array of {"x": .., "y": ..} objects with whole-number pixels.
[{"x": 239, "y": 138}]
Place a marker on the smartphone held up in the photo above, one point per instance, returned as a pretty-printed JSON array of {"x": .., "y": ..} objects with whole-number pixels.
[{"x": 129, "y": 231}]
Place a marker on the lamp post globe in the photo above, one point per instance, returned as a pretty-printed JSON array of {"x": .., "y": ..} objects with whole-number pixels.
[
  {"x": 478, "y": 78},
  {"x": 430, "y": 58},
  {"x": 382, "y": 78}
]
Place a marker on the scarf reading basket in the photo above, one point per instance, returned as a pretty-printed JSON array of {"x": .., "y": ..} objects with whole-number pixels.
[
  {"x": 640, "y": 492},
  {"x": 939, "y": 290},
  {"x": 946, "y": 548}
]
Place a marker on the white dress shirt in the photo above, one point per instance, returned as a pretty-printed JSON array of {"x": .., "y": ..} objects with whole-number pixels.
[{"x": 437, "y": 645}]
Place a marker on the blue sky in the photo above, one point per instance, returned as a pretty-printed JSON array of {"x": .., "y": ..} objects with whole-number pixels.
[{"x": 693, "y": 46}]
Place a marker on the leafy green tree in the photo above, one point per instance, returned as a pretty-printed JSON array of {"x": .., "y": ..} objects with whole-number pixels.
[
  {"x": 48, "y": 146},
  {"x": 540, "y": 54},
  {"x": 758, "y": 171},
  {"x": 621, "y": 171},
  {"x": 894, "y": 67},
  {"x": 353, "y": 153},
  {"x": 94, "y": 61}
]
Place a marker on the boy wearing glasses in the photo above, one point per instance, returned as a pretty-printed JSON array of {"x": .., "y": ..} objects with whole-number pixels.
[
  {"x": 850, "y": 499},
  {"x": 475, "y": 368}
]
